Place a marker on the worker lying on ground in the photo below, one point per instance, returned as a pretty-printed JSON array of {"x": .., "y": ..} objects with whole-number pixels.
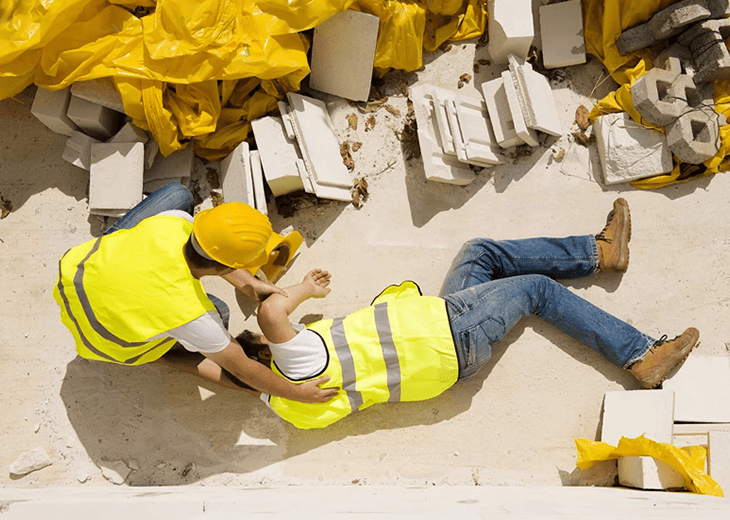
[
  {"x": 134, "y": 295},
  {"x": 408, "y": 347}
]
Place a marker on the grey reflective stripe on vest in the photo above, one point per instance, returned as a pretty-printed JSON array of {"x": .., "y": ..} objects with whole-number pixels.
[
  {"x": 342, "y": 348},
  {"x": 390, "y": 354},
  {"x": 86, "y": 306}
]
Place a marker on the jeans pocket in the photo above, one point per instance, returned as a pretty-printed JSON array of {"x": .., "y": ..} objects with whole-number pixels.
[{"x": 475, "y": 350}]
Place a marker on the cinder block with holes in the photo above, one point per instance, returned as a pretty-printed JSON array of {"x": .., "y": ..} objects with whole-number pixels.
[
  {"x": 677, "y": 58},
  {"x": 694, "y": 137},
  {"x": 511, "y": 28},
  {"x": 651, "y": 97},
  {"x": 671, "y": 20}
]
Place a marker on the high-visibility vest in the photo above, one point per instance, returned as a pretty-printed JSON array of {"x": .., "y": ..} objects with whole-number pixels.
[
  {"x": 118, "y": 290},
  {"x": 398, "y": 349}
]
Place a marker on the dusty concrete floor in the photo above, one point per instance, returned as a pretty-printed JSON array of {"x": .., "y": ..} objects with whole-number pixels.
[{"x": 513, "y": 423}]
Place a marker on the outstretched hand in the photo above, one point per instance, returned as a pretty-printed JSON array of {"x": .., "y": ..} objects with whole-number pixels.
[
  {"x": 317, "y": 281},
  {"x": 258, "y": 290},
  {"x": 310, "y": 392}
]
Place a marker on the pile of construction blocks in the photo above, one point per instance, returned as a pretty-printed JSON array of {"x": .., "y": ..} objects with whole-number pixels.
[{"x": 691, "y": 409}]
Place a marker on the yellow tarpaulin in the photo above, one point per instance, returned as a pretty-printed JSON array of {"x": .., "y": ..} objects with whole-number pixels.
[
  {"x": 200, "y": 70},
  {"x": 689, "y": 462},
  {"x": 604, "y": 20}
]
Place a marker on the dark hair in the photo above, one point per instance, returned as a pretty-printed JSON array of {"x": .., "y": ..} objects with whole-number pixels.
[
  {"x": 195, "y": 260},
  {"x": 253, "y": 348}
]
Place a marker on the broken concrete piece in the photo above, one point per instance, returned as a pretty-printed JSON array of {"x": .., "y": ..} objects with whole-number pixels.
[
  {"x": 343, "y": 50},
  {"x": 697, "y": 385},
  {"x": 718, "y": 8},
  {"x": 115, "y": 471},
  {"x": 78, "y": 150},
  {"x": 499, "y": 113},
  {"x": 95, "y": 120},
  {"x": 650, "y": 94},
  {"x": 257, "y": 174},
  {"x": 694, "y": 137},
  {"x": 629, "y": 151},
  {"x": 561, "y": 30},
  {"x": 115, "y": 179},
  {"x": 648, "y": 473},
  {"x": 676, "y": 59},
  {"x": 278, "y": 155},
  {"x": 130, "y": 134},
  {"x": 528, "y": 135},
  {"x": 671, "y": 20},
  {"x": 535, "y": 98},
  {"x": 235, "y": 176},
  {"x": 50, "y": 107},
  {"x": 30, "y": 461},
  {"x": 99, "y": 91},
  {"x": 635, "y": 38},
  {"x": 718, "y": 459},
  {"x": 511, "y": 29},
  {"x": 178, "y": 164}
]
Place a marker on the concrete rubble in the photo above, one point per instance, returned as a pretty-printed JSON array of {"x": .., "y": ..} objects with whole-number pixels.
[{"x": 29, "y": 462}]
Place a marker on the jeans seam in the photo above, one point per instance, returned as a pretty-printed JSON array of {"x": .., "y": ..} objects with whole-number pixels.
[{"x": 649, "y": 343}]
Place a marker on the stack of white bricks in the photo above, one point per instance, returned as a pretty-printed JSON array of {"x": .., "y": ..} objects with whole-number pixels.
[{"x": 242, "y": 179}]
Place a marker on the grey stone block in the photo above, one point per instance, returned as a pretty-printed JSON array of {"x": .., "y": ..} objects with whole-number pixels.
[
  {"x": 706, "y": 41},
  {"x": 695, "y": 96},
  {"x": 635, "y": 38},
  {"x": 676, "y": 55},
  {"x": 671, "y": 20},
  {"x": 718, "y": 8},
  {"x": 694, "y": 137},
  {"x": 650, "y": 94},
  {"x": 713, "y": 64},
  {"x": 706, "y": 26}
]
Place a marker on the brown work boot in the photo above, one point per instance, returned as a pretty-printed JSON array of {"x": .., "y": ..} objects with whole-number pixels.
[
  {"x": 613, "y": 241},
  {"x": 664, "y": 356}
]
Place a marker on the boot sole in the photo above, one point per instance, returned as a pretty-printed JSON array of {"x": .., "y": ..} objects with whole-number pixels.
[{"x": 623, "y": 260}]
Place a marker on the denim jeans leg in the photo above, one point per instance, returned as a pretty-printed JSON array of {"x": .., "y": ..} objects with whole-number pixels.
[
  {"x": 222, "y": 308},
  {"x": 169, "y": 197}
]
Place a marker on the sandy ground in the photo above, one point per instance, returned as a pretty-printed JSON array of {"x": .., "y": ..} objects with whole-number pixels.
[{"x": 513, "y": 423}]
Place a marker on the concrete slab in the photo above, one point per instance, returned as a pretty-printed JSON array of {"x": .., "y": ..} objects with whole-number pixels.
[
  {"x": 178, "y": 164},
  {"x": 343, "y": 50},
  {"x": 535, "y": 97},
  {"x": 697, "y": 385},
  {"x": 99, "y": 91},
  {"x": 528, "y": 135},
  {"x": 257, "y": 173},
  {"x": 648, "y": 473},
  {"x": 235, "y": 176},
  {"x": 561, "y": 30},
  {"x": 511, "y": 29},
  {"x": 279, "y": 155},
  {"x": 115, "y": 179},
  {"x": 154, "y": 185},
  {"x": 638, "y": 412},
  {"x": 95, "y": 120},
  {"x": 500, "y": 114},
  {"x": 718, "y": 460},
  {"x": 50, "y": 107}
]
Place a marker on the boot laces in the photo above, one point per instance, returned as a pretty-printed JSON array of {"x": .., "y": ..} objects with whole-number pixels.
[{"x": 602, "y": 234}]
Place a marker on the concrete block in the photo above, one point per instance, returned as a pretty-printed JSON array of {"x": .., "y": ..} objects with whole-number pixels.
[
  {"x": 257, "y": 173},
  {"x": 561, "y": 30},
  {"x": 178, "y": 164},
  {"x": 686, "y": 440},
  {"x": 343, "y": 50},
  {"x": 629, "y": 151},
  {"x": 718, "y": 461},
  {"x": 96, "y": 120},
  {"x": 635, "y": 38},
  {"x": 130, "y": 134},
  {"x": 698, "y": 385},
  {"x": 78, "y": 150},
  {"x": 706, "y": 41},
  {"x": 50, "y": 107},
  {"x": 676, "y": 59},
  {"x": 671, "y": 20},
  {"x": 154, "y": 185},
  {"x": 115, "y": 180},
  {"x": 528, "y": 135},
  {"x": 499, "y": 113},
  {"x": 99, "y": 91},
  {"x": 30, "y": 461},
  {"x": 638, "y": 412},
  {"x": 235, "y": 176},
  {"x": 151, "y": 151},
  {"x": 651, "y": 97},
  {"x": 718, "y": 8},
  {"x": 694, "y": 137},
  {"x": 648, "y": 473},
  {"x": 700, "y": 428},
  {"x": 279, "y": 155},
  {"x": 535, "y": 98},
  {"x": 511, "y": 29}
]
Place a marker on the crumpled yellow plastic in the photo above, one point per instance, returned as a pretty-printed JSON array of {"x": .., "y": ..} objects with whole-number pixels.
[
  {"x": 603, "y": 21},
  {"x": 689, "y": 462}
]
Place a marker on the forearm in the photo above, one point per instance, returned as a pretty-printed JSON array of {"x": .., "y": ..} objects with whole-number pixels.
[
  {"x": 297, "y": 294},
  {"x": 239, "y": 278},
  {"x": 264, "y": 380}
]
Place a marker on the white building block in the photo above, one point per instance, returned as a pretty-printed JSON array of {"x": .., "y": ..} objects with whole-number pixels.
[
  {"x": 700, "y": 428},
  {"x": 528, "y": 135},
  {"x": 99, "y": 91},
  {"x": 535, "y": 97},
  {"x": 235, "y": 176},
  {"x": 343, "y": 50},
  {"x": 115, "y": 181},
  {"x": 50, "y": 107},
  {"x": 96, "y": 120},
  {"x": 78, "y": 150},
  {"x": 511, "y": 28},
  {"x": 499, "y": 113},
  {"x": 257, "y": 174},
  {"x": 561, "y": 30},
  {"x": 698, "y": 385},
  {"x": 178, "y": 164},
  {"x": 279, "y": 155},
  {"x": 648, "y": 473},
  {"x": 130, "y": 134},
  {"x": 718, "y": 462},
  {"x": 151, "y": 151},
  {"x": 629, "y": 151}
]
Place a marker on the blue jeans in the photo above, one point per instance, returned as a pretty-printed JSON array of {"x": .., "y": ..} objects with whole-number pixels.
[
  {"x": 169, "y": 197},
  {"x": 492, "y": 284}
]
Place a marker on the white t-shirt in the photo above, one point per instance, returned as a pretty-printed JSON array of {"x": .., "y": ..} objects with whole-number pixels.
[
  {"x": 205, "y": 333},
  {"x": 302, "y": 357}
]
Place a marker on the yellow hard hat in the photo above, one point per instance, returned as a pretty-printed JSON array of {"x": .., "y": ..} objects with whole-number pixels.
[{"x": 234, "y": 234}]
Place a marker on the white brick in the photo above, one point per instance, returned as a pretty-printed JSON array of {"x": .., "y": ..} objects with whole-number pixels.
[
  {"x": 561, "y": 30},
  {"x": 151, "y": 151},
  {"x": 719, "y": 459},
  {"x": 694, "y": 383},
  {"x": 511, "y": 28},
  {"x": 78, "y": 150},
  {"x": 50, "y": 107},
  {"x": 629, "y": 151},
  {"x": 130, "y": 134},
  {"x": 178, "y": 164},
  {"x": 115, "y": 181},
  {"x": 96, "y": 120},
  {"x": 343, "y": 50},
  {"x": 258, "y": 182},
  {"x": 235, "y": 176},
  {"x": 535, "y": 97},
  {"x": 278, "y": 155},
  {"x": 700, "y": 428},
  {"x": 648, "y": 473},
  {"x": 638, "y": 412},
  {"x": 99, "y": 91},
  {"x": 499, "y": 113},
  {"x": 528, "y": 135}
]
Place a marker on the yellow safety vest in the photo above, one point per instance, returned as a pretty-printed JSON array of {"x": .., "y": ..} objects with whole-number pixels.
[
  {"x": 117, "y": 291},
  {"x": 398, "y": 349}
]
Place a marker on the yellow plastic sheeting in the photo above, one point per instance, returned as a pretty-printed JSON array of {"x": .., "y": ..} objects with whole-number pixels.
[
  {"x": 689, "y": 462},
  {"x": 604, "y": 20}
]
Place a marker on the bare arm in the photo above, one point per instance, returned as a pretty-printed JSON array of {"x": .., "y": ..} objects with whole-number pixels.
[{"x": 251, "y": 286}]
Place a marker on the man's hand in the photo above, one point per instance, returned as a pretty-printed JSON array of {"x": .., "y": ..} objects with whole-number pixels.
[
  {"x": 310, "y": 392},
  {"x": 255, "y": 289},
  {"x": 317, "y": 282}
]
